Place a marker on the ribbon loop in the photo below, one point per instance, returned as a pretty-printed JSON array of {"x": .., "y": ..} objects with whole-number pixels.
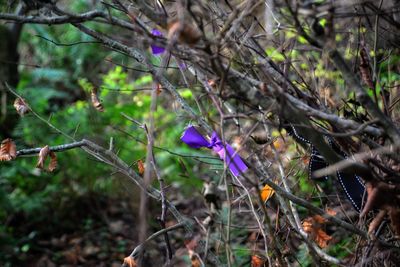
[{"x": 226, "y": 153}]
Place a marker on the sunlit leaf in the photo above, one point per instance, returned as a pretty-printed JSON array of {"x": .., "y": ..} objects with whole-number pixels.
[{"x": 266, "y": 193}]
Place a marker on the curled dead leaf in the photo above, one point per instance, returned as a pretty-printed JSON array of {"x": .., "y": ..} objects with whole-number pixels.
[
  {"x": 53, "y": 162},
  {"x": 313, "y": 227},
  {"x": 141, "y": 167},
  {"x": 95, "y": 101},
  {"x": 308, "y": 225},
  {"x": 8, "y": 150},
  {"x": 186, "y": 32},
  {"x": 319, "y": 219},
  {"x": 322, "y": 238},
  {"x": 330, "y": 211},
  {"x": 21, "y": 106},
  {"x": 43, "y": 153}
]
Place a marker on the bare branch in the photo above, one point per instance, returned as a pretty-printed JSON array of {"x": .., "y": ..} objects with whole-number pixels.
[{"x": 88, "y": 16}]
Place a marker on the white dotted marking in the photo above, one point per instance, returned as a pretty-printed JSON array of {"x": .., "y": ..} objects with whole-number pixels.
[
  {"x": 347, "y": 193},
  {"x": 298, "y": 136}
]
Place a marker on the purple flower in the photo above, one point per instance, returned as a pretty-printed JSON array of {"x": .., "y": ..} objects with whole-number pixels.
[{"x": 156, "y": 50}]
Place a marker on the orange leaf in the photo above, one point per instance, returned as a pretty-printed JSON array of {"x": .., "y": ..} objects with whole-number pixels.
[
  {"x": 8, "y": 150},
  {"x": 21, "y": 106},
  {"x": 141, "y": 167},
  {"x": 322, "y": 238},
  {"x": 305, "y": 159},
  {"x": 257, "y": 261},
  {"x": 95, "y": 101},
  {"x": 308, "y": 225},
  {"x": 312, "y": 226},
  {"x": 331, "y": 211},
  {"x": 319, "y": 219},
  {"x": 266, "y": 193},
  {"x": 195, "y": 259},
  {"x": 129, "y": 262},
  {"x": 53, "y": 162}
]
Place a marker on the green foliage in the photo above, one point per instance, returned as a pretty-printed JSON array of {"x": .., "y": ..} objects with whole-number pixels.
[{"x": 59, "y": 91}]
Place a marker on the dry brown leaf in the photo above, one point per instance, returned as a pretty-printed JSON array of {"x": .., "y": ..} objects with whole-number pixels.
[
  {"x": 141, "y": 167},
  {"x": 305, "y": 159},
  {"x": 257, "y": 261},
  {"x": 129, "y": 262},
  {"x": 322, "y": 238},
  {"x": 21, "y": 106},
  {"x": 53, "y": 162},
  {"x": 212, "y": 83},
  {"x": 308, "y": 225},
  {"x": 187, "y": 33},
  {"x": 312, "y": 226},
  {"x": 319, "y": 219},
  {"x": 195, "y": 259},
  {"x": 43, "y": 153},
  {"x": 266, "y": 193},
  {"x": 95, "y": 101},
  {"x": 159, "y": 89},
  {"x": 8, "y": 150},
  {"x": 330, "y": 211}
]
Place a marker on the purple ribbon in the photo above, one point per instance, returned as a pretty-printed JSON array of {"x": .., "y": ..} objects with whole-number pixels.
[
  {"x": 195, "y": 140},
  {"x": 155, "y": 49}
]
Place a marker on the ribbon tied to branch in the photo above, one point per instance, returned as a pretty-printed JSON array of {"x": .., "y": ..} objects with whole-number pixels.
[{"x": 195, "y": 140}]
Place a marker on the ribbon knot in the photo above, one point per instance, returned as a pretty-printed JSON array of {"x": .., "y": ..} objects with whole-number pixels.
[{"x": 226, "y": 153}]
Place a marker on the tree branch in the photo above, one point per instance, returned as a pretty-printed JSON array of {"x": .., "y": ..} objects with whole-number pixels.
[{"x": 53, "y": 20}]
